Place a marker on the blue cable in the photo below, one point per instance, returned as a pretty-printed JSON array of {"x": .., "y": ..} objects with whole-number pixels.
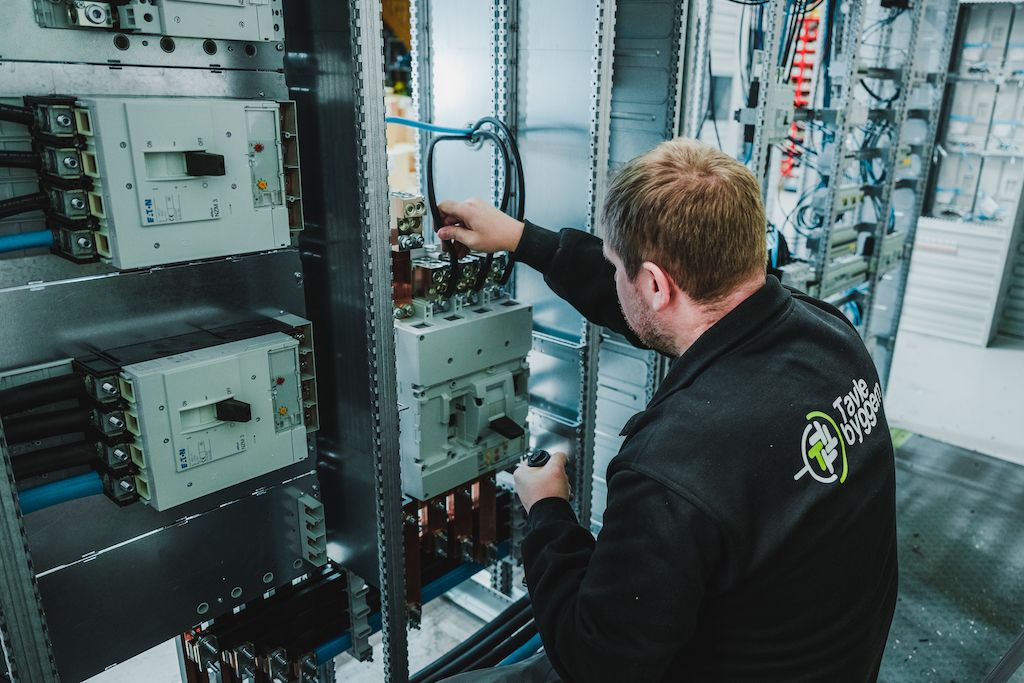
[
  {"x": 25, "y": 240},
  {"x": 55, "y": 493},
  {"x": 433, "y": 128},
  {"x": 525, "y": 651}
]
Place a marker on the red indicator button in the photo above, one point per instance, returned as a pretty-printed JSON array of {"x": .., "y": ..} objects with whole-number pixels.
[
  {"x": 280, "y": 380},
  {"x": 258, "y": 147}
]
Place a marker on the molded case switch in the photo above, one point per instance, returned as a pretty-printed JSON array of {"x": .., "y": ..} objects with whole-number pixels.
[{"x": 211, "y": 418}]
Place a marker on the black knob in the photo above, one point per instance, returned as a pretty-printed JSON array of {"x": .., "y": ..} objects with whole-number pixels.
[{"x": 538, "y": 458}]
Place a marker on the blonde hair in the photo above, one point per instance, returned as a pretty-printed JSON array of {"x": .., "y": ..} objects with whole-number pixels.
[{"x": 694, "y": 211}]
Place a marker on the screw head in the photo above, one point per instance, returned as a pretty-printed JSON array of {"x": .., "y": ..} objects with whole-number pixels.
[
  {"x": 63, "y": 120},
  {"x": 126, "y": 486},
  {"x": 109, "y": 387},
  {"x": 77, "y": 203},
  {"x": 115, "y": 421},
  {"x": 70, "y": 162},
  {"x": 120, "y": 455},
  {"x": 84, "y": 242}
]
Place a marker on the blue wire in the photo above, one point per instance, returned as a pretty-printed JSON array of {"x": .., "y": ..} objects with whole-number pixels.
[
  {"x": 524, "y": 651},
  {"x": 55, "y": 493},
  {"x": 25, "y": 240},
  {"x": 444, "y": 130}
]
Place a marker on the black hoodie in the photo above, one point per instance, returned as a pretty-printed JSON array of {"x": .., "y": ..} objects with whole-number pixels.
[{"x": 750, "y": 532}]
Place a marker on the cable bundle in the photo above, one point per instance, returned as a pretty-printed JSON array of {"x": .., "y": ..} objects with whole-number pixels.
[{"x": 513, "y": 184}]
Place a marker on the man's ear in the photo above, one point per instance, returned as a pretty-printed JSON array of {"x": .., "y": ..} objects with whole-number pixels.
[{"x": 659, "y": 288}]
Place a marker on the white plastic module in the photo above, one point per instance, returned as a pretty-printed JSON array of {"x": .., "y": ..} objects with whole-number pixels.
[
  {"x": 179, "y": 179},
  {"x": 462, "y": 378},
  {"x": 211, "y": 418},
  {"x": 255, "y": 20}
]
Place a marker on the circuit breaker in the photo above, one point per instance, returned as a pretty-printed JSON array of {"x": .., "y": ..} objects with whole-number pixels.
[
  {"x": 461, "y": 344},
  {"x": 207, "y": 419},
  {"x": 180, "y": 179},
  {"x": 254, "y": 20},
  {"x": 462, "y": 379}
]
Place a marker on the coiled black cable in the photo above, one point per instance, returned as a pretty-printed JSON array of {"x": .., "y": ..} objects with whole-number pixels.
[
  {"x": 20, "y": 160},
  {"x": 23, "y": 204},
  {"x": 514, "y": 182},
  {"x": 435, "y": 213},
  {"x": 40, "y": 393}
]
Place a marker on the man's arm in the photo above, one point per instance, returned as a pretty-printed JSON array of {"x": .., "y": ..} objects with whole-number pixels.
[
  {"x": 619, "y": 608},
  {"x": 572, "y": 262}
]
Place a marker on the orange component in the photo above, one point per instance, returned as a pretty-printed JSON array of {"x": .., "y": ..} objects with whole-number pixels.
[
  {"x": 282, "y": 411},
  {"x": 803, "y": 63},
  {"x": 262, "y": 184},
  {"x": 258, "y": 147}
]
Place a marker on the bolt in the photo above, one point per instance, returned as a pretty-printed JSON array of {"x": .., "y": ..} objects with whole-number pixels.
[
  {"x": 109, "y": 387},
  {"x": 209, "y": 645},
  {"x": 115, "y": 422},
  {"x": 398, "y": 313},
  {"x": 308, "y": 665},
  {"x": 96, "y": 14},
  {"x": 246, "y": 651},
  {"x": 126, "y": 486},
  {"x": 84, "y": 242},
  {"x": 63, "y": 120},
  {"x": 120, "y": 455},
  {"x": 77, "y": 203},
  {"x": 70, "y": 162},
  {"x": 411, "y": 520},
  {"x": 279, "y": 658}
]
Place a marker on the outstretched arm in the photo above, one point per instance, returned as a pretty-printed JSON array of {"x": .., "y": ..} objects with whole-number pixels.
[{"x": 571, "y": 261}]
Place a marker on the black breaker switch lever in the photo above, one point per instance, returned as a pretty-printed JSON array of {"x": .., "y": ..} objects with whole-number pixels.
[
  {"x": 507, "y": 427},
  {"x": 233, "y": 410},
  {"x": 204, "y": 163}
]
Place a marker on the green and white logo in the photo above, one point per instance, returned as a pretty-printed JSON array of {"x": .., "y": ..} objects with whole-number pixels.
[
  {"x": 821, "y": 446},
  {"x": 824, "y": 441}
]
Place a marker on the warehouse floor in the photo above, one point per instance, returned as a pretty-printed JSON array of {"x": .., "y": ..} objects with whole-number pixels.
[
  {"x": 960, "y": 525},
  {"x": 961, "y": 535}
]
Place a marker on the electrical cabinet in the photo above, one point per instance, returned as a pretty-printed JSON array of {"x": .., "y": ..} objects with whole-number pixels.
[
  {"x": 183, "y": 179},
  {"x": 255, "y": 20}
]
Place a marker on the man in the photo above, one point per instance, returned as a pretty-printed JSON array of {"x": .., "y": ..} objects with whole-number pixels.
[{"x": 749, "y": 532}]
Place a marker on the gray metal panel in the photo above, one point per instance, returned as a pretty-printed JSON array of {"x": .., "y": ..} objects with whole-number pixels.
[
  {"x": 335, "y": 70},
  {"x": 71, "y": 317},
  {"x": 151, "y": 587},
  {"x": 24, "y": 40},
  {"x": 556, "y": 52},
  {"x": 462, "y": 59},
  {"x": 31, "y": 78}
]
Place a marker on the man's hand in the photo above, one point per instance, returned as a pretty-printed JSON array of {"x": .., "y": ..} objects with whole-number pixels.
[
  {"x": 538, "y": 483},
  {"x": 479, "y": 226}
]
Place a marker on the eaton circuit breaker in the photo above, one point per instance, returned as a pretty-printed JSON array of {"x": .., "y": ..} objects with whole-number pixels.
[
  {"x": 187, "y": 178},
  {"x": 209, "y": 418},
  {"x": 462, "y": 380},
  {"x": 253, "y": 20}
]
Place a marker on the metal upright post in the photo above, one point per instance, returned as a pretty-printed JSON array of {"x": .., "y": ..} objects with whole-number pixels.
[
  {"x": 23, "y": 635},
  {"x": 885, "y": 340},
  {"x": 771, "y": 76},
  {"x": 600, "y": 121},
  {"x": 844, "y": 64},
  {"x": 910, "y": 78},
  {"x": 335, "y": 71},
  {"x": 422, "y": 85}
]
